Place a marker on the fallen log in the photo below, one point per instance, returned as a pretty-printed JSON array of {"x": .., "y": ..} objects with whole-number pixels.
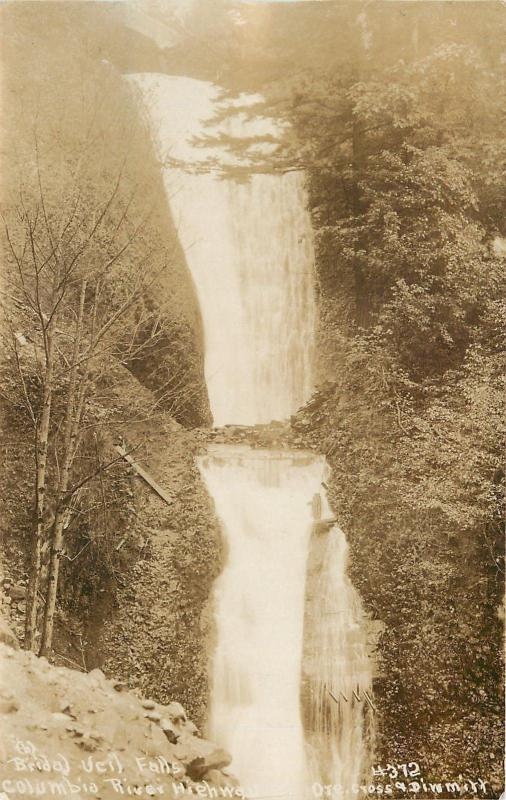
[{"x": 144, "y": 475}]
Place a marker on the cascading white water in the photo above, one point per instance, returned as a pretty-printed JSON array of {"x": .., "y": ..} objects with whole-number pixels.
[
  {"x": 249, "y": 248},
  {"x": 290, "y": 657},
  {"x": 337, "y": 677},
  {"x": 263, "y": 499}
]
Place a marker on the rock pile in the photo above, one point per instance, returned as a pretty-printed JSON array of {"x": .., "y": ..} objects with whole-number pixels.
[
  {"x": 273, "y": 435},
  {"x": 14, "y": 594},
  {"x": 78, "y": 735}
]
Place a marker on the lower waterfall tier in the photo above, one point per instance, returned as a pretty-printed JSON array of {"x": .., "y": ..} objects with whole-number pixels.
[
  {"x": 336, "y": 669},
  {"x": 272, "y": 641}
]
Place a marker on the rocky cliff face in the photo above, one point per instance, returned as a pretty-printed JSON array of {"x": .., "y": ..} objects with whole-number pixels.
[{"x": 78, "y": 735}]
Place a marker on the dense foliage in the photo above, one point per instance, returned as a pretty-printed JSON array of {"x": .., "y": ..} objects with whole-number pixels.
[
  {"x": 406, "y": 177},
  {"x": 397, "y": 114},
  {"x": 397, "y": 118},
  {"x": 94, "y": 289}
]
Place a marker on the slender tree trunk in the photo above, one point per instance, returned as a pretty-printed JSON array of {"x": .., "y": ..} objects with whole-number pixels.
[
  {"x": 361, "y": 305},
  {"x": 71, "y": 427},
  {"x": 41, "y": 448}
]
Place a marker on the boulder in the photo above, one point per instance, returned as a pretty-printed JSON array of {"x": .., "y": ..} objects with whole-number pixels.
[
  {"x": 153, "y": 716},
  {"x": 169, "y": 730},
  {"x": 200, "y": 755},
  {"x": 217, "y": 759},
  {"x": 176, "y": 712}
]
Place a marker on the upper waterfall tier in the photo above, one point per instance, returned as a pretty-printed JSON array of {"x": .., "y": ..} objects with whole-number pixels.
[{"x": 249, "y": 246}]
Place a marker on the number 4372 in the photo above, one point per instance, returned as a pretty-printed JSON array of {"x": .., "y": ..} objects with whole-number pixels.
[{"x": 393, "y": 771}]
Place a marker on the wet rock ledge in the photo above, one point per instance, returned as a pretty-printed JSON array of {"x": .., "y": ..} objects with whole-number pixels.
[{"x": 78, "y": 735}]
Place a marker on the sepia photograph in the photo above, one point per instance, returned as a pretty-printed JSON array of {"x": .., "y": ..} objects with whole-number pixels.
[{"x": 252, "y": 399}]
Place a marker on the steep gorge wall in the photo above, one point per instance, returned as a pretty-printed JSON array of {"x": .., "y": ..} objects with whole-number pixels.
[
  {"x": 157, "y": 633},
  {"x": 133, "y": 601}
]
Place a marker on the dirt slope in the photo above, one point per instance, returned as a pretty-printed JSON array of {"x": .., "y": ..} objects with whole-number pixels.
[{"x": 77, "y": 735}]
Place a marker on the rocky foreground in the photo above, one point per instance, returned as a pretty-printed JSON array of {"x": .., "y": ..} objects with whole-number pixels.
[{"x": 77, "y": 735}]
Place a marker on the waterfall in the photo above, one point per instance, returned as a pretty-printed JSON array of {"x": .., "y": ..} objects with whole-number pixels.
[
  {"x": 249, "y": 248},
  {"x": 290, "y": 674},
  {"x": 336, "y": 679},
  {"x": 261, "y": 498}
]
